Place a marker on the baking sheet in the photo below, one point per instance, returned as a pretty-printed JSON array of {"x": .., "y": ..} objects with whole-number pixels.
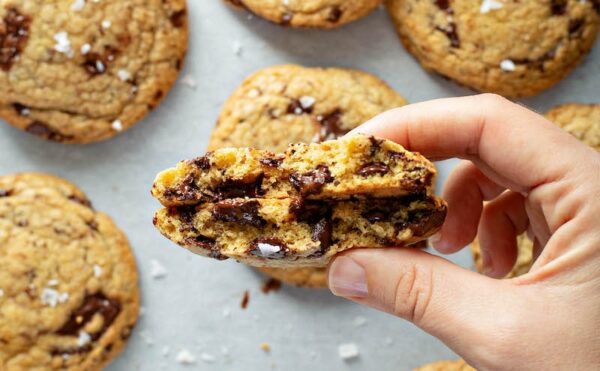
[{"x": 197, "y": 305}]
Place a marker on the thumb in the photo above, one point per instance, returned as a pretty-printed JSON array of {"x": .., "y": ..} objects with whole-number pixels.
[{"x": 451, "y": 303}]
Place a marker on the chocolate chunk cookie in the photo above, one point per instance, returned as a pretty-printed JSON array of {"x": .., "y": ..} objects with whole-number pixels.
[
  {"x": 583, "y": 122},
  {"x": 346, "y": 98},
  {"x": 83, "y": 71},
  {"x": 302, "y": 207},
  {"x": 514, "y": 48},
  {"x": 68, "y": 280},
  {"x": 458, "y": 365},
  {"x": 308, "y": 13}
]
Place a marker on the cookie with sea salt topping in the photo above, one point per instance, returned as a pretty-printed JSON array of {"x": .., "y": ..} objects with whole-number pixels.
[
  {"x": 68, "y": 280},
  {"x": 80, "y": 71},
  {"x": 458, "y": 365},
  {"x": 513, "y": 48},
  {"x": 309, "y": 13},
  {"x": 245, "y": 120}
]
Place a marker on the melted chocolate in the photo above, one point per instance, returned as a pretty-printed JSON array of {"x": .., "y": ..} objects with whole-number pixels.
[
  {"x": 240, "y": 188},
  {"x": 335, "y": 14},
  {"x": 187, "y": 190},
  {"x": 558, "y": 7},
  {"x": 42, "y": 130},
  {"x": 296, "y": 108},
  {"x": 374, "y": 216},
  {"x": 311, "y": 182},
  {"x": 96, "y": 63},
  {"x": 245, "y": 300},
  {"x": 82, "y": 201},
  {"x": 272, "y": 161},
  {"x": 331, "y": 126},
  {"x": 576, "y": 26},
  {"x": 239, "y": 211},
  {"x": 323, "y": 232},
  {"x": 14, "y": 32},
  {"x": 372, "y": 168},
  {"x": 270, "y": 285},
  {"x": 208, "y": 244},
  {"x": 21, "y": 109},
  {"x": 202, "y": 163},
  {"x": 5, "y": 192},
  {"x": 94, "y": 304},
  {"x": 443, "y": 4},
  {"x": 451, "y": 32},
  {"x": 286, "y": 19},
  {"x": 178, "y": 18}
]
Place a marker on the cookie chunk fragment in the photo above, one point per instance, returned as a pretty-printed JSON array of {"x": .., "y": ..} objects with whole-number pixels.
[{"x": 319, "y": 200}]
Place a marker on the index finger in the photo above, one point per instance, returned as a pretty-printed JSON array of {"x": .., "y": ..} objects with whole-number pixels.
[{"x": 514, "y": 146}]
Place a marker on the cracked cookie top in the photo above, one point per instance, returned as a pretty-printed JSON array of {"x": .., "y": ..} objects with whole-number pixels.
[
  {"x": 309, "y": 13},
  {"x": 68, "y": 281},
  {"x": 79, "y": 71},
  {"x": 514, "y": 48}
]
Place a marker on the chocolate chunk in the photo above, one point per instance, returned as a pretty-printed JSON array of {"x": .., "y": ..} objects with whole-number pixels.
[
  {"x": 286, "y": 19},
  {"x": 21, "y": 109},
  {"x": 245, "y": 300},
  {"x": 374, "y": 216},
  {"x": 334, "y": 14},
  {"x": 310, "y": 211},
  {"x": 185, "y": 213},
  {"x": 5, "y": 192},
  {"x": 187, "y": 190},
  {"x": 42, "y": 130},
  {"x": 323, "y": 232},
  {"x": 14, "y": 32},
  {"x": 82, "y": 201},
  {"x": 423, "y": 221},
  {"x": 96, "y": 63},
  {"x": 240, "y": 188},
  {"x": 311, "y": 182},
  {"x": 239, "y": 211},
  {"x": 558, "y": 7},
  {"x": 206, "y": 243},
  {"x": 331, "y": 126},
  {"x": 178, "y": 18},
  {"x": 576, "y": 26},
  {"x": 270, "y": 285},
  {"x": 94, "y": 304},
  {"x": 268, "y": 247},
  {"x": 202, "y": 163},
  {"x": 443, "y": 4},
  {"x": 296, "y": 108},
  {"x": 272, "y": 161},
  {"x": 373, "y": 168},
  {"x": 596, "y": 4},
  {"x": 451, "y": 32},
  {"x": 397, "y": 156}
]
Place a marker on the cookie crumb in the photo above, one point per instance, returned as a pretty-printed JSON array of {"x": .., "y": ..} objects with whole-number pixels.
[
  {"x": 157, "y": 270},
  {"x": 117, "y": 125},
  {"x": 270, "y": 285},
  {"x": 208, "y": 358},
  {"x": 77, "y": 5},
  {"x": 245, "y": 300},
  {"x": 348, "y": 351},
  {"x": 265, "y": 347},
  {"x": 147, "y": 337},
  {"x": 97, "y": 270},
  {"x": 189, "y": 81},
  {"x": 184, "y": 357},
  {"x": 507, "y": 65},
  {"x": 489, "y": 5}
]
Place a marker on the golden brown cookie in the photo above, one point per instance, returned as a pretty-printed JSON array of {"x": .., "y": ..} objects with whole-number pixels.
[
  {"x": 514, "y": 48},
  {"x": 77, "y": 71},
  {"x": 458, "y": 365},
  {"x": 309, "y": 13},
  {"x": 581, "y": 121},
  {"x": 245, "y": 121},
  {"x": 68, "y": 280}
]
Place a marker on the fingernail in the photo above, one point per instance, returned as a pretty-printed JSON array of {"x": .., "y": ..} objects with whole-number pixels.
[
  {"x": 486, "y": 262},
  {"x": 438, "y": 243},
  {"x": 436, "y": 238},
  {"x": 347, "y": 278}
]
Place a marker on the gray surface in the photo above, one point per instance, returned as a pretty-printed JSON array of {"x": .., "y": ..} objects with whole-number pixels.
[{"x": 186, "y": 308}]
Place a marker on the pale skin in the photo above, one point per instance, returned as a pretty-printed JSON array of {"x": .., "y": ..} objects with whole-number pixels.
[{"x": 534, "y": 178}]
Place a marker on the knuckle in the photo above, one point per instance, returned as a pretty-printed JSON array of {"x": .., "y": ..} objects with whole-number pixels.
[{"x": 413, "y": 293}]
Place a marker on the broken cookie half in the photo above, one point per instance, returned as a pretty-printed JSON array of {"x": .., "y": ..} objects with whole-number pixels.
[{"x": 302, "y": 207}]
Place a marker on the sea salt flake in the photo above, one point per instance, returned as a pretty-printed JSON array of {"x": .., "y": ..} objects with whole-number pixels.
[
  {"x": 489, "y": 5},
  {"x": 266, "y": 249},
  {"x": 63, "y": 44},
  {"x": 237, "y": 48},
  {"x": 307, "y": 101},
  {"x": 359, "y": 321},
  {"x": 97, "y": 270},
  {"x": 157, "y": 270},
  {"x": 208, "y": 358},
  {"x": 117, "y": 125},
  {"x": 85, "y": 48},
  {"x": 52, "y": 282},
  {"x": 507, "y": 65},
  {"x": 77, "y": 5},
  {"x": 123, "y": 75},
  {"x": 185, "y": 357},
  {"x": 348, "y": 351},
  {"x": 165, "y": 351},
  {"x": 226, "y": 312},
  {"x": 83, "y": 338},
  {"x": 106, "y": 24},
  {"x": 52, "y": 297},
  {"x": 189, "y": 81}
]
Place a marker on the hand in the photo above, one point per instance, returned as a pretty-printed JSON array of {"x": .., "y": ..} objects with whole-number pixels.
[{"x": 537, "y": 179}]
